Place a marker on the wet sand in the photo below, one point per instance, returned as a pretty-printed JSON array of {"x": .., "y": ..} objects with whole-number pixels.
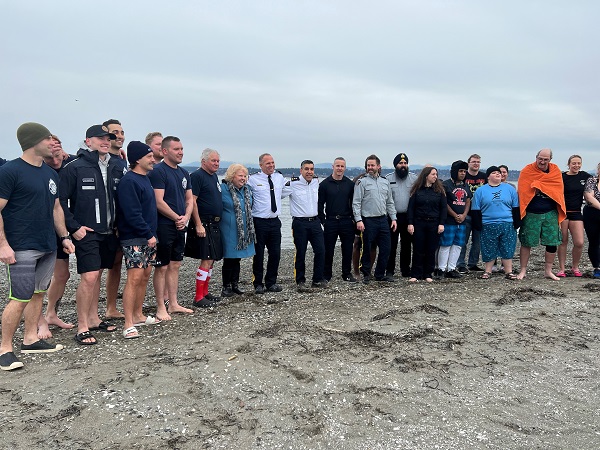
[{"x": 464, "y": 363}]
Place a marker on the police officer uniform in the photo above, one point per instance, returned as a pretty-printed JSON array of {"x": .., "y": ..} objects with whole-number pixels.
[
  {"x": 306, "y": 227},
  {"x": 267, "y": 192}
]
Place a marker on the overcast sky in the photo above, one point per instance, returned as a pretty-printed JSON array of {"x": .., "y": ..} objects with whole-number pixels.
[{"x": 300, "y": 79}]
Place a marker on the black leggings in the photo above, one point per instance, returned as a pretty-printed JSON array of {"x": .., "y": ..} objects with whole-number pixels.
[{"x": 591, "y": 223}]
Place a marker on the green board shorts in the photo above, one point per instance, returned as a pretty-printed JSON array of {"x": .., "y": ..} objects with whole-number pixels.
[{"x": 541, "y": 229}]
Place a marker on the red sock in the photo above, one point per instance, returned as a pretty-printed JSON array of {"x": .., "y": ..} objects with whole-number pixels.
[{"x": 201, "y": 284}]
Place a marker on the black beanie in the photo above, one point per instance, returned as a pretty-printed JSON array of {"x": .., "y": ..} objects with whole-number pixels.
[
  {"x": 30, "y": 133},
  {"x": 490, "y": 170},
  {"x": 136, "y": 150}
]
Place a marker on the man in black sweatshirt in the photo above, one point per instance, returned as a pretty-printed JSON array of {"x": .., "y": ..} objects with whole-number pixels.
[{"x": 335, "y": 212}]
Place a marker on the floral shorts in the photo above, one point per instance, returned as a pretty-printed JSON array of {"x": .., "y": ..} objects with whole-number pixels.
[{"x": 139, "y": 256}]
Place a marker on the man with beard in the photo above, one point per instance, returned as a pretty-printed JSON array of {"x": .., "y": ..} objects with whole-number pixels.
[
  {"x": 458, "y": 197},
  {"x": 30, "y": 215},
  {"x": 204, "y": 234},
  {"x": 371, "y": 203},
  {"x": 113, "y": 277},
  {"x": 306, "y": 226},
  {"x": 401, "y": 182}
]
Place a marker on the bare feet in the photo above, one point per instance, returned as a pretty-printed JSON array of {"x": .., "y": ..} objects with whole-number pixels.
[
  {"x": 413, "y": 280},
  {"x": 551, "y": 276},
  {"x": 114, "y": 314},
  {"x": 55, "y": 320},
  {"x": 429, "y": 280},
  {"x": 162, "y": 314},
  {"x": 43, "y": 330},
  {"x": 178, "y": 309},
  {"x": 521, "y": 275}
]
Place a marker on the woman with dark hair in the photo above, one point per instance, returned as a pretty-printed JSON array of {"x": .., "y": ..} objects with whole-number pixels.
[
  {"x": 427, "y": 211},
  {"x": 591, "y": 220},
  {"x": 237, "y": 227},
  {"x": 574, "y": 183}
]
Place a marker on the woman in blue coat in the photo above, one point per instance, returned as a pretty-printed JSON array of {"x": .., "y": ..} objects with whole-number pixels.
[{"x": 237, "y": 226}]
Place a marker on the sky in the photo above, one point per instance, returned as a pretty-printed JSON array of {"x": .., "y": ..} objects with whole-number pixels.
[{"x": 304, "y": 79}]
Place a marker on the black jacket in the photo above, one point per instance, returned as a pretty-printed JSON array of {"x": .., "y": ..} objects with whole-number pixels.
[{"x": 83, "y": 195}]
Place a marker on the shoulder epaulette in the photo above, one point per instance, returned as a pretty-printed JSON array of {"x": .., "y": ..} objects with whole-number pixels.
[{"x": 294, "y": 178}]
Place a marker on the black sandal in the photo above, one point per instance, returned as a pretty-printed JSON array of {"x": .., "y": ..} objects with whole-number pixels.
[
  {"x": 104, "y": 326},
  {"x": 510, "y": 276},
  {"x": 81, "y": 337}
]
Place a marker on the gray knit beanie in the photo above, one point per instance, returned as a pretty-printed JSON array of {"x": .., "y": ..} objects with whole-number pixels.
[{"x": 30, "y": 133}]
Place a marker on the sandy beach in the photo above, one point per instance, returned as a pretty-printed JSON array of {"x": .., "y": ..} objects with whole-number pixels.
[{"x": 455, "y": 364}]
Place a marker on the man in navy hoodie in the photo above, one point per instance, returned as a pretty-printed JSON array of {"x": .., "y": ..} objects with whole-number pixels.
[
  {"x": 137, "y": 225},
  {"x": 87, "y": 190}
]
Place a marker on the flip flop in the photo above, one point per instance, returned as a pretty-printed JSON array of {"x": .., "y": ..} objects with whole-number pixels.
[
  {"x": 131, "y": 333},
  {"x": 510, "y": 276},
  {"x": 104, "y": 326},
  {"x": 149, "y": 321},
  {"x": 576, "y": 273},
  {"x": 80, "y": 338}
]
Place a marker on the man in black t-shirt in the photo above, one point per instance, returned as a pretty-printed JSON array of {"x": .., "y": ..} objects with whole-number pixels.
[
  {"x": 474, "y": 179},
  {"x": 30, "y": 216},
  {"x": 172, "y": 188},
  {"x": 204, "y": 234}
]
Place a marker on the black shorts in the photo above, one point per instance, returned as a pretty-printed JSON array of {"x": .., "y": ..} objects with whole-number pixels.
[
  {"x": 95, "y": 251},
  {"x": 60, "y": 253},
  {"x": 574, "y": 215},
  {"x": 209, "y": 247},
  {"x": 171, "y": 244}
]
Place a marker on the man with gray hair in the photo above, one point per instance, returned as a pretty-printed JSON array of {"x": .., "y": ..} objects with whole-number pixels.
[
  {"x": 268, "y": 188},
  {"x": 204, "y": 234}
]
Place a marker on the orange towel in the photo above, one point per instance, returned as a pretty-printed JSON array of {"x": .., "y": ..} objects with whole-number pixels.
[{"x": 550, "y": 183}]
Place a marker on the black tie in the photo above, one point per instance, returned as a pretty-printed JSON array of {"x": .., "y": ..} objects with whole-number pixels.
[{"x": 272, "y": 188}]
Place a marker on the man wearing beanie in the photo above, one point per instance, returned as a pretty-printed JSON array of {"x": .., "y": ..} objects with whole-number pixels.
[
  {"x": 113, "y": 276},
  {"x": 401, "y": 182},
  {"x": 87, "y": 191},
  {"x": 30, "y": 216},
  {"x": 458, "y": 197},
  {"x": 137, "y": 223},
  {"x": 495, "y": 214}
]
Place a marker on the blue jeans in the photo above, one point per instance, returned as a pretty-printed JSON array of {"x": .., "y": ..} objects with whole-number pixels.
[{"x": 475, "y": 246}]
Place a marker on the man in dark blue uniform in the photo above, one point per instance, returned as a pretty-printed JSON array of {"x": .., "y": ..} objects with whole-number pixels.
[{"x": 204, "y": 235}]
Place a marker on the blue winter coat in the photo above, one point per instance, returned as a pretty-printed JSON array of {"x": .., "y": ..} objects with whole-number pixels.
[{"x": 229, "y": 227}]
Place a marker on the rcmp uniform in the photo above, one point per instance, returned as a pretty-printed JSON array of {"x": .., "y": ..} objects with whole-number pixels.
[
  {"x": 306, "y": 227},
  {"x": 401, "y": 193},
  {"x": 267, "y": 224},
  {"x": 371, "y": 204}
]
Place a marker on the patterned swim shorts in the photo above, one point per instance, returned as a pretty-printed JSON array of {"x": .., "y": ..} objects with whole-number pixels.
[
  {"x": 540, "y": 228},
  {"x": 139, "y": 256}
]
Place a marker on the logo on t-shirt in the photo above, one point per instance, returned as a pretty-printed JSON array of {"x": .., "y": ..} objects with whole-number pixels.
[
  {"x": 184, "y": 183},
  {"x": 460, "y": 195},
  {"x": 496, "y": 195},
  {"x": 52, "y": 187}
]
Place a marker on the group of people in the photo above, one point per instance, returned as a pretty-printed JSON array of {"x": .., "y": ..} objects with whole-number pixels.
[{"x": 151, "y": 213}]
